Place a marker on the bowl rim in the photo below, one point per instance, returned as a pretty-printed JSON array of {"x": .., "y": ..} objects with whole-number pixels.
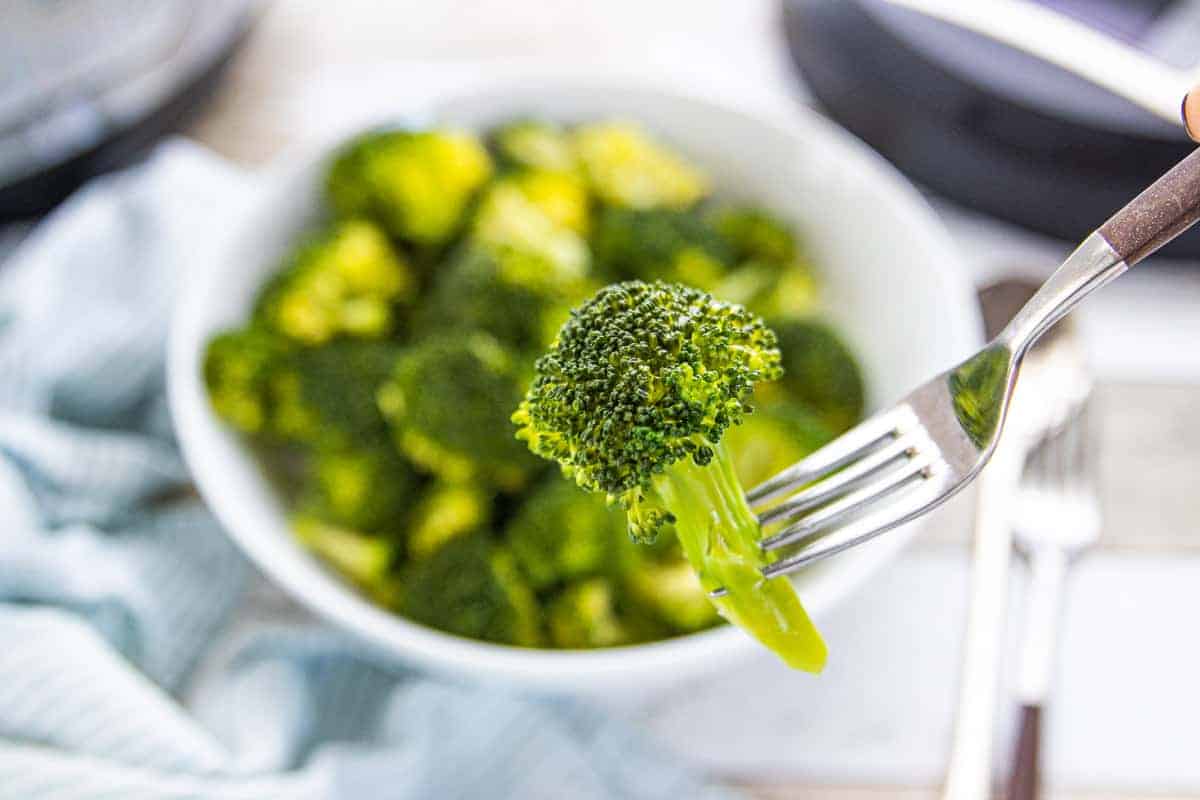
[{"x": 397, "y": 638}]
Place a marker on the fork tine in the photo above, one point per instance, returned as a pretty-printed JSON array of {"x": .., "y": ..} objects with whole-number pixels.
[
  {"x": 910, "y": 506},
  {"x": 819, "y": 521},
  {"x": 839, "y": 483},
  {"x": 848, "y": 447}
]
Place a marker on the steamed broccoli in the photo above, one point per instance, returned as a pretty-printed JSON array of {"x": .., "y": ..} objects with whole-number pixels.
[
  {"x": 772, "y": 277},
  {"x": 509, "y": 220},
  {"x": 416, "y": 184},
  {"x": 626, "y": 167},
  {"x": 444, "y": 512},
  {"x": 481, "y": 289},
  {"x": 536, "y": 144},
  {"x": 561, "y": 196},
  {"x": 633, "y": 400},
  {"x": 239, "y": 367},
  {"x": 368, "y": 488},
  {"x": 821, "y": 372},
  {"x": 471, "y": 587},
  {"x": 325, "y": 396},
  {"x": 560, "y": 534},
  {"x": 584, "y": 615},
  {"x": 446, "y": 403},
  {"x": 676, "y": 246},
  {"x": 755, "y": 235},
  {"x": 344, "y": 281},
  {"x": 365, "y": 559}
]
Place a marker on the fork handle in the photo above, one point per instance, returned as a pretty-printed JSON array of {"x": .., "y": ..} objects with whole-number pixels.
[
  {"x": 1167, "y": 208},
  {"x": 1025, "y": 780}
]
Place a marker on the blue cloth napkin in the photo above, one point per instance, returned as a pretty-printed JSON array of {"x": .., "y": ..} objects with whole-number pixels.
[{"x": 115, "y": 581}]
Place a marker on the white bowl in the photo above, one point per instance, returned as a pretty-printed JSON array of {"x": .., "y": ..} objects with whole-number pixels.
[{"x": 892, "y": 285}]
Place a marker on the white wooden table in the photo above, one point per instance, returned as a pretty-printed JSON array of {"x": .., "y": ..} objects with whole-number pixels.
[{"x": 1150, "y": 441}]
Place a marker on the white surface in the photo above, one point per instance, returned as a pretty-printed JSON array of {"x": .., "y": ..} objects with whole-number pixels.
[{"x": 904, "y": 324}]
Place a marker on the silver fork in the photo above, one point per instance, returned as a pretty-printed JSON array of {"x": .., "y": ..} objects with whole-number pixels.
[
  {"x": 902, "y": 462},
  {"x": 1057, "y": 517}
]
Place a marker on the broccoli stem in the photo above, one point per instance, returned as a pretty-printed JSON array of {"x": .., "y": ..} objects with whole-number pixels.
[{"x": 720, "y": 538}]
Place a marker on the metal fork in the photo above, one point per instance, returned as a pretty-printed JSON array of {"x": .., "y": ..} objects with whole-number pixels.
[
  {"x": 902, "y": 462},
  {"x": 1057, "y": 517}
]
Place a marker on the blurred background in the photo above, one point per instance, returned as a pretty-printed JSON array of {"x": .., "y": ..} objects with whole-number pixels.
[{"x": 1020, "y": 158}]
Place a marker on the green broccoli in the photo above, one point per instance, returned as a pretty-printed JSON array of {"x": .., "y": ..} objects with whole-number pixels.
[
  {"x": 239, "y": 367},
  {"x": 470, "y": 587},
  {"x": 561, "y": 196},
  {"x": 536, "y": 144},
  {"x": 446, "y": 403},
  {"x": 416, "y": 184},
  {"x": 821, "y": 372},
  {"x": 346, "y": 281},
  {"x": 584, "y": 615},
  {"x": 481, "y": 289},
  {"x": 560, "y": 534},
  {"x": 508, "y": 220},
  {"x": 755, "y": 235},
  {"x": 364, "y": 559},
  {"x": 772, "y": 277},
  {"x": 325, "y": 396},
  {"x": 633, "y": 400},
  {"x": 778, "y": 434},
  {"x": 368, "y": 489},
  {"x": 444, "y": 512},
  {"x": 626, "y": 167},
  {"x": 675, "y": 246}
]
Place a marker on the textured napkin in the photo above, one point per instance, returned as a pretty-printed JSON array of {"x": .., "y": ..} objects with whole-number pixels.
[{"x": 114, "y": 581}]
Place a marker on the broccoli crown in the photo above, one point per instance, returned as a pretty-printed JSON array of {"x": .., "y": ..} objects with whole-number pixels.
[
  {"x": 821, "y": 372},
  {"x": 239, "y": 367},
  {"x": 479, "y": 290},
  {"x": 675, "y": 246},
  {"x": 626, "y": 167},
  {"x": 368, "y": 488},
  {"x": 641, "y": 376},
  {"x": 416, "y": 184},
  {"x": 561, "y": 196},
  {"x": 344, "y": 281},
  {"x": 447, "y": 401},
  {"x": 509, "y": 220},
  {"x": 325, "y": 396},
  {"x": 471, "y": 587},
  {"x": 585, "y": 615},
  {"x": 536, "y": 144},
  {"x": 560, "y": 534},
  {"x": 673, "y": 594}
]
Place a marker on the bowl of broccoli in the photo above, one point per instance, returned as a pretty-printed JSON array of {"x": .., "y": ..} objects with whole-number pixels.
[{"x": 382, "y": 374}]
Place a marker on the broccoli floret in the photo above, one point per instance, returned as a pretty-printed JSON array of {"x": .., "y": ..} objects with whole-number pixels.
[
  {"x": 633, "y": 400},
  {"x": 447, "y": 401},
  {"x": 560, "y": 534},
  {"x": 444, "y": 512},
  {"x": 325, "y": 396},
  {"x": 472, "y": 588},
  {"x": 369, "y": 489},
  {"x": 821, "y": 372},
  {"x": 416, "y": 184},
  {"x": 626, "y": 167},
  {"x": 239, "y": 367},
  {"x": 778, "y": 434},
  {"x": 536, "y": 144},
  {"x": 551, "y": 254},
  {"x": 346, "y": 280},
  {"x": 480, "y": 289},
  {"x": 675, "y": 246},
  {"x": 584, "y": 615},
  {"x": 772, "y": 277},
  {"x": 672, "y": 593},
  {"x": 364, "y": 559}
]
